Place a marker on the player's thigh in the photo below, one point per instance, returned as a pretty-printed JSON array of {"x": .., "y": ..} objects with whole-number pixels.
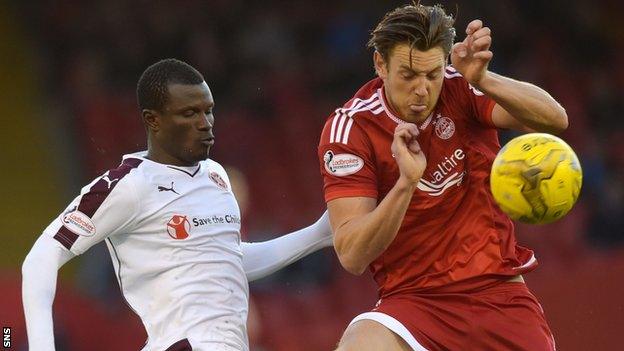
[{"x": 369, "y": 335}]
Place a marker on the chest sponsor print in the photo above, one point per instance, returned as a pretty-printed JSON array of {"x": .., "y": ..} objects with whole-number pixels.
[
  {"x": 444, "y": 175},
  {"x": 178, "y": 227}
]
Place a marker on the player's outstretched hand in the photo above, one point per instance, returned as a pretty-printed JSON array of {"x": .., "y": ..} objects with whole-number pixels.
[
  {"x": 472, "y": 56},
  {"x": 407, "y": 153}
]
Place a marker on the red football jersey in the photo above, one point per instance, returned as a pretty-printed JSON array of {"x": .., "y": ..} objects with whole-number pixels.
[{"x": 452, "y": 230}]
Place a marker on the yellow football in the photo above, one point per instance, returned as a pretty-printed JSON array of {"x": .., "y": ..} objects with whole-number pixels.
[{"x": 536, "y": 178}]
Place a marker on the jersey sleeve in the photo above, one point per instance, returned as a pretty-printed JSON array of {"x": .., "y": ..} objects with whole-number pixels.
[
  {"x": 479, "y": 105},
  {"x": 104, "y": 208},
  {"x": 346, "y": 160}
]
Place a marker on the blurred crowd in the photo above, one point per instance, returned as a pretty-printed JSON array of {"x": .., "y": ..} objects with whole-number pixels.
[{"x": 277, "y": 69}]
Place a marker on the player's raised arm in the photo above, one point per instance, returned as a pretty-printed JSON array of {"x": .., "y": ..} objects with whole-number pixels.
[
  {"x": 264, "y": 258},
  {"x": 363, "y": 229},
  {"x": 519, "y": 105}
]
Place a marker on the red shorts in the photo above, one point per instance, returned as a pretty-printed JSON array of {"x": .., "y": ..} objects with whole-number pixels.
[{"x": 505, "y": 316}]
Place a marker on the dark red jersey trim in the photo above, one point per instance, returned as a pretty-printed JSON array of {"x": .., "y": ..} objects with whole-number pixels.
[
  {"x": 182, "y": 345},
  {"x": 93, "y": 199}
]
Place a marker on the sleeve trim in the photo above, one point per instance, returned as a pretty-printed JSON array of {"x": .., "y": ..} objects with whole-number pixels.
[
  {"x": 487, "y": 119},
  {"x": 350, "y": 193}
]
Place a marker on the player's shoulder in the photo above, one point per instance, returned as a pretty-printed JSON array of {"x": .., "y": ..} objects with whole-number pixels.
[
  {"x": 116, "y": 185},
  {"x": 367, "y": 101},
  {"x": 453, "y": 78},
  {"x": 366, "y": 105},
  {"x": 454, "y": 83},
  {"x": 120, "y": 175},
  {"x": 212, "y": 166}
]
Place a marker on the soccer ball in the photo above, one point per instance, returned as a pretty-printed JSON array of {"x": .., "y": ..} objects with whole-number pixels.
[{"x": 536, "y": 178}]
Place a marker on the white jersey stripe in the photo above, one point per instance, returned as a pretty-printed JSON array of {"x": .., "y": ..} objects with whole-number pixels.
[
  {"x": 359, "y": 103},
  {"x": 343, "y": 119},
  {"x": 345, "y": 137},
  {"x": 356, "y": 104},
  {"x": 370, "y": 106},
  {"x": 334, "y": 135},
  {"x": 378, "y": 111},
  {"x": 333, "y": 127},
  {"x": 454, "y": 75}
]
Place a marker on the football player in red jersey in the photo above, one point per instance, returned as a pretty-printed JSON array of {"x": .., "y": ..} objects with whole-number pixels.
[{"x": 406, "y": 166}]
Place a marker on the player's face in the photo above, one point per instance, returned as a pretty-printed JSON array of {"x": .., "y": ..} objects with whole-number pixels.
[
  {"x": 185, "y": 123},
  {"x": 412, "y": 87}
]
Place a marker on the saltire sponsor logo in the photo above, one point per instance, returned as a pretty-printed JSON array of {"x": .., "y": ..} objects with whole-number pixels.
[
  {"x": 178, "y": 227},
  {"x": 78, "y": 223},
  {"x": 443, "y": 175},
  {"x": 438, "y": 189},
  {"x": 342, "y": 164}
]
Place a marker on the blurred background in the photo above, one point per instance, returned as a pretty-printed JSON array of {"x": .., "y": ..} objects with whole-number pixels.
[{"x": 277, "y": 69}]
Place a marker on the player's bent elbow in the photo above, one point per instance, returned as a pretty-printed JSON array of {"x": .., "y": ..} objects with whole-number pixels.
[
  {"x": 29, "y": 266},
  {"x": 561, "y": 122},
  {"x": 349, "y": 259},
  {"x": 351, "y": 264}
]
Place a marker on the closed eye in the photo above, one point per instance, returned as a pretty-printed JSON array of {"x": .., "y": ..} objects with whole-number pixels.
[{"x": 189, "y": 113}]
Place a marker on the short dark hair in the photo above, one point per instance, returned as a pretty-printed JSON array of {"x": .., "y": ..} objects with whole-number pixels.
[
  {"x": 422, "y": 27},
  {"x": 152, "y": 91}
]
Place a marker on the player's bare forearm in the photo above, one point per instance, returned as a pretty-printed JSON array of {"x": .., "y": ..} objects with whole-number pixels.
[
  {"x": 530, "y": 105},
  {"x": 362, "y": 237}
]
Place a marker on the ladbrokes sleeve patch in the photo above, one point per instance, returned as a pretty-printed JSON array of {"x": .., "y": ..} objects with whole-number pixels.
[
  {"x": 342, "y": 164},
  {"x": 79, "y": 223}
]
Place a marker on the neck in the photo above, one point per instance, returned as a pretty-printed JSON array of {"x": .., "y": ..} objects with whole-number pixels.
[{"x": 158, "y": 154}]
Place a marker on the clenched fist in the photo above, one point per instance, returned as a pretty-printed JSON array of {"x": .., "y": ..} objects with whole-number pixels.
[{"x": 407, "y": 152}]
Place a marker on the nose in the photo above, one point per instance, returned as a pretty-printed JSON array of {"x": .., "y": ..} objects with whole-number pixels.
[
  {"x": 206, "y": 122},
  {"x": 420, "y": 86}
]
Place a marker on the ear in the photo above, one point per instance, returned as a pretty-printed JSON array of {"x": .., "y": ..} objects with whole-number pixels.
[
  {"x": 381, "y": 67},
  {"x": 151, "y": 119}
]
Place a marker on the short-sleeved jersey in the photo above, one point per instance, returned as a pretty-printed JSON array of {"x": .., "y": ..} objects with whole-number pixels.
[
  {"x": 452, "y": 230},
  {"x": 173, "y": 234}
]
